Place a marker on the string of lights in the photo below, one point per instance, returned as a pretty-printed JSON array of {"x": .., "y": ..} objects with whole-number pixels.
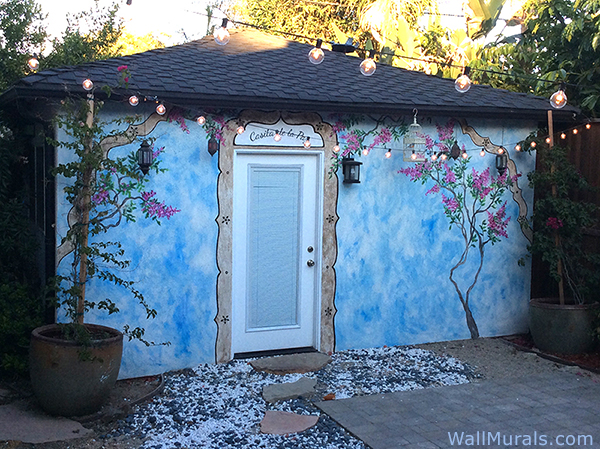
[
  {"x": 368, "y": 66},
  {"x": 161, "y": 109},
  {"x": 462, "y": 84}
]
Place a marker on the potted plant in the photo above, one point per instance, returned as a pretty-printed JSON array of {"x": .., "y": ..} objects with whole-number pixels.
[
  {"x": 74, "y": 365},
  {"x": 562, "y": 323}
]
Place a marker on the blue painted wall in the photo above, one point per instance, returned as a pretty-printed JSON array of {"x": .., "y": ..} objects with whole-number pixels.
[{"x": 395, "y": 253}]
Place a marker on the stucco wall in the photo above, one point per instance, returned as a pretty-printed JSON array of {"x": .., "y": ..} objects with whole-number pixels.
[{"x": 395, "y": 253}]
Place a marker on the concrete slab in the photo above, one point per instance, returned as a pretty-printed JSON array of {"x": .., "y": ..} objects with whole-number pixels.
[
  {"x": 289, "y": 390},
  {"x": 283, "y": 423},
  {"x": 19, "y": 421},
  {"x": 292, "y": 363}
]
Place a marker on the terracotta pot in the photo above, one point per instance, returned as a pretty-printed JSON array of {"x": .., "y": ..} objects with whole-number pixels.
[
  {"x": 64, "y": 382},
  {"x": 562, "y": 329}
]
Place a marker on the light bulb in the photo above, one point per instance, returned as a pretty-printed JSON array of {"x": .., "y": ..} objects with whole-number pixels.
[
  {"x": 533, "y": 144},
  {"x": 240, "y": 129},
  {"x": 221, "y": 34},
  {"x": 588, "y": 126},
  {"x": 558, "y": 99},
  {"x": 201, "y": 120},
  {"x": 277, "y": 137},
  {"x": 575, "y": 131},
  {"x": 482, "y": 153},
  {"x": 161, "y": 109},
  {"x": 316, "y": 55},
  {"x": 548, "y": 140},
  {"x": 501, "y": 150},
  {"x": 87, "y": 84},
  {"x": 365, "y": 152},
  {"x": 462, "y": 83},
  {"x": 413, "y": 156},
  {"x": 388, "y": 154},
  {"x": 444, "y": 156},
  {"x": 434, "y": 157},
  {"x": 517, "y": 148},
  {"x": 307, "y": 143},
  {"x": 336, "y": 149},
  {"x": 33, "y": 63},
  {"x": 563, "y": 136},
  {"x": 464, "y": 154},
  {"x": 368, "y": 67},
  {"x": 134, "y": 100}
]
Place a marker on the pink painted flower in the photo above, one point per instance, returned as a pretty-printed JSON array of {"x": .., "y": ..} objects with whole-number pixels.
[
  {"x": 481, "y": 183},
  {"x": 434, "y": 189},
  {"x": 100, "y": 197},
  {"x": 121, "y": 68},
  {"x": 450, "y": 203},
  {"x": 496, "y": 222},
  {"x": 156, "y": 153},
  {"x": 450, "y": 176},
  {"x": 154, "y": 209},
  {"x": 147, "y": 195},
  {"x": 554, "y": 223},
  {"x": 338, "y": 127},
  {"x": 429, "y": 143},
  {"x": 413, "y": 173}
]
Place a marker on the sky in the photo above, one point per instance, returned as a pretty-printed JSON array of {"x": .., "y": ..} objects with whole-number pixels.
[
  {"x": 181, "y": 20},
  {"x": 168, "y": 17}
]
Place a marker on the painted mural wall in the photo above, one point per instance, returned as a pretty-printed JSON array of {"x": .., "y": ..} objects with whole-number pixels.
[{"x": 395, "y": 250}]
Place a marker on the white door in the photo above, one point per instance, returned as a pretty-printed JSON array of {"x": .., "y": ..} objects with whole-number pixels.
[{"x": 276, "y": 251}]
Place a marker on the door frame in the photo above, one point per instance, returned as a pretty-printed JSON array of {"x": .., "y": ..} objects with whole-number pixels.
[
  {"x": 324, "y": 319},
  {"x": 318, "y": 208}
]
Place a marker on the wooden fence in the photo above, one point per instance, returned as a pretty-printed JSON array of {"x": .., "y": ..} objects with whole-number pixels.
[{"x": 584, "y": 153}]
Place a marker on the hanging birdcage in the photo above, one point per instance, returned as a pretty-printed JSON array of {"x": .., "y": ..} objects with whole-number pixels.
[{"x": 414, "y": 142}]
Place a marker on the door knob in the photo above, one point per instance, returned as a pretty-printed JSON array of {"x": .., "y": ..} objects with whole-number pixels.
[{"x": 310, "y": 263}]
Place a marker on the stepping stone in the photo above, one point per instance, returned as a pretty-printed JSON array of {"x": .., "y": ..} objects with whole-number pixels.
[
  {"x": 292, "y": 363},
  {"x": 282, "y": 423},
  {"x": 20, "y": 422},
  {"x": 289, "y": 390}
]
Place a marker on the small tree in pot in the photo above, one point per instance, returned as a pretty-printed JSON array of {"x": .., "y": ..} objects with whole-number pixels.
[
  {"x": 74, "y": 365},
  {"x": 559, "y": 223}
]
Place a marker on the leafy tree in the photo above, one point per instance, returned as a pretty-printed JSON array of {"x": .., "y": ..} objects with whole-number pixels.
[
  {"x": 560, "y": 42},
  {"x": 99, "y": 42},
  {"x": 128, "y": 43},
  {"x": 393, "y": 27},
  {"x": 315, "y": 19},
  {"x": 22, "y": 34}
]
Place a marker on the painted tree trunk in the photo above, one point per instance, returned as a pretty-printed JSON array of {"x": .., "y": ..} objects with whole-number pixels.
[{"x": 471, "y": 324}]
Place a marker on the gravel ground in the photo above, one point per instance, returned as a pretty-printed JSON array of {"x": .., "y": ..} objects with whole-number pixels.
[{"x": 220, "y": 406}]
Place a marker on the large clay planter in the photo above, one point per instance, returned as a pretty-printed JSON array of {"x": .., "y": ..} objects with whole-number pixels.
[
  {"x": 63, "y": 383},
  {"x": 562, "y": 329}
]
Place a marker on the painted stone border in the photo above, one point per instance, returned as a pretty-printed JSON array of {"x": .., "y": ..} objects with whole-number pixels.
[{"x": 225, "y": 235}]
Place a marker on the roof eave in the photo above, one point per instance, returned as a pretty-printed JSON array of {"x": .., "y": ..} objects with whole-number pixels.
[{"x": 16, "y": 92}]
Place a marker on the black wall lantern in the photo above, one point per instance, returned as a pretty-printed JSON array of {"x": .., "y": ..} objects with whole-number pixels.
[
  {"x": 351, "y": 170},
  {"x": 213, "y": 146},
  {"x": 145, "y": 157},
  {"x": 501, "y": 162}
]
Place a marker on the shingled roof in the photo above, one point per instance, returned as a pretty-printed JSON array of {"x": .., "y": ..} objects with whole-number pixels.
[{"x": 261, "y": 71}]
